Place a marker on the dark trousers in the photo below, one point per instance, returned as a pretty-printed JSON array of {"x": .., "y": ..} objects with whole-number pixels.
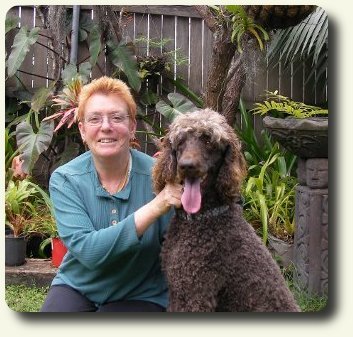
[{"x": 62, "y": 298}]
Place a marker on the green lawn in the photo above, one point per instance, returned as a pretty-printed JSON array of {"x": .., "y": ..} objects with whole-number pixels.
[
  {"x": 30, "y": 299},
  {"x": 25, "y": 299}
]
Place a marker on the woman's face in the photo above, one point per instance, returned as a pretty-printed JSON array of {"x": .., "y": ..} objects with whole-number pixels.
[{"x": 106, "y": 127}]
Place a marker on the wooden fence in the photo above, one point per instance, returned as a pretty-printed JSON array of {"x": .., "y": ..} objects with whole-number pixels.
[{"x": 190, "y": 36}]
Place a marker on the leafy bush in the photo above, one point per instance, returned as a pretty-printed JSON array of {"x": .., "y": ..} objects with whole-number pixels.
[
  {"x": 269, "y": 190},
  {"x": 23, "y": 200},
  {"x": 258, "y": 150},
  {"x": 270, "y": 197}
]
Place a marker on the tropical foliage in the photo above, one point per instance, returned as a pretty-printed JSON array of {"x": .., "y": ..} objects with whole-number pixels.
[
  {"x": 179, "y": 104},
  {"x": 241, "y": 25},
  {"x": 270, "y": 197},
  {"x": 23, "y": 200},
  {"x": 68, "y": 103},
  {"x": 257, "y": 148},
  {"x": 268, "y": 190},
  {"x": 307, "y": 40},
  {"x": 280, "y": 106},
  {"x": 47, "y": 117},
  {"x": 35, "y": 128}
]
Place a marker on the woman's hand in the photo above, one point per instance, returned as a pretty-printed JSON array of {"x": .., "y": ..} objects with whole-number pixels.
[
  {"x": 168, "y": 197},
  {"x": 161, "y": 204}
]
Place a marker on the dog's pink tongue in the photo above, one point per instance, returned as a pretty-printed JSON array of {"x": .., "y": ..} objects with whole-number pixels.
[{"x": 191, "y": 198}]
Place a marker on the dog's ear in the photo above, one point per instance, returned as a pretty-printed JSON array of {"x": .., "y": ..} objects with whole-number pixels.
[
  {"x": 232, "y": 171},
  {"x": 164, "y": 169}
]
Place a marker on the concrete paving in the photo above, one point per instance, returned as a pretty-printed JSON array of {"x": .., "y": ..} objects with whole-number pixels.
[{"x": 38, "y": 272}]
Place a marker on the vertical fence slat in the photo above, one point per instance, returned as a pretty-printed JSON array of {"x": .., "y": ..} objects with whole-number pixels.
[
  {"x": 309, "y": 84},
  {"x": 273, "y": 78},
  {"x": 195, "y": 79},
  {"x": 297, "y": 81},
  {"x": 83, "y": 51},
  {"x": 99, "y": 68},
  {"x": 141, "y": 31},
  {"x": 182, "y": 47},
  {"x": 40, "y": 56},
  {"x": 168, "y": 32},
  {"x": 207, "y": 52},
  {"x": 27, "y": 14},
  {"x": 128, "y": 26},
  {"x": 284, "y": 80},
  {"x": 11, "y": 83}
]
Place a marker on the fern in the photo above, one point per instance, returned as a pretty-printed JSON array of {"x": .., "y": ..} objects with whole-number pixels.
[{"x": 277, "y": 104}]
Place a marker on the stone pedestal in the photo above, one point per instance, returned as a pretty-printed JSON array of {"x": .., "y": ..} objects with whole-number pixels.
[{"x": 311, "y": 218}]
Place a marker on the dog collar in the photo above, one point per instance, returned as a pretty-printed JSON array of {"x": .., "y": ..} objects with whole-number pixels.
[{"x": 203, "y": 215}]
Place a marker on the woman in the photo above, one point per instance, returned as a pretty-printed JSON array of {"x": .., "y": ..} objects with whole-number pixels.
[{"x": 107, "y": 214}]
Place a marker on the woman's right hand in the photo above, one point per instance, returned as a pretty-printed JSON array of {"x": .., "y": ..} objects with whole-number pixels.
[
  {"x": 168, "y": 197},
  {"x": 161, "y": 204}
]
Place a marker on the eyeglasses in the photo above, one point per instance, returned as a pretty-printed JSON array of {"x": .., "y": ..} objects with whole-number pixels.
[{"x": 96, "y": 120}]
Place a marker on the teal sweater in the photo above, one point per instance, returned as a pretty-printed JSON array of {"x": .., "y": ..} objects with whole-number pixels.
[{"x": 106, "y": 261}]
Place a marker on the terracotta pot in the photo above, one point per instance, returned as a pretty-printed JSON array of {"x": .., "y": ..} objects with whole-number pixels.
[{"x": 58, "y": 251}]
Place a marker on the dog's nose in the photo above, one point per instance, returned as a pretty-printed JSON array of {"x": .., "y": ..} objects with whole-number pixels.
[{"x": 187, "y": 165}]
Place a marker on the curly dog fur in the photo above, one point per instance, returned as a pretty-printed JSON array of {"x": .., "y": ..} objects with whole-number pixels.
[{"x": 212, "y": 258}]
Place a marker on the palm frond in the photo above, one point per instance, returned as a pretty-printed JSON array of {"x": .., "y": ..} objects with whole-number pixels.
[{"x": 307, "y": 40}]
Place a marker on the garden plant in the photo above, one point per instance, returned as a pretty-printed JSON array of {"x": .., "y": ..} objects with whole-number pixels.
[{"x": 41, "y": 128}]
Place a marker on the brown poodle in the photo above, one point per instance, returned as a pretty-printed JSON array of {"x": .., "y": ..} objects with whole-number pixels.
[{"x": 212, "y": 258}]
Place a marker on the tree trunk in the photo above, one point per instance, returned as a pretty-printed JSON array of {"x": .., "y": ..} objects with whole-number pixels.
[
  {"x": 227, "y": 75},
  {"x": 235, "y": 84},
  {"x": 223, "y": 86},
  {"x": 222, "y": 54}
]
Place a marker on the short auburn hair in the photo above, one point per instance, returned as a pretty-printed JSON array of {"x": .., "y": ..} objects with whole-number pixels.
[{"x": 106, "y": 85}]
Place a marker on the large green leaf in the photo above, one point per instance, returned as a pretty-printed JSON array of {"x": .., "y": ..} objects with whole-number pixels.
[
  {"x": 10, "y": 23},
  {"x": 40, "y": 98},
  {"x": 94, "y": 45},
  {"x": 124, "y": 59},
  {"x": 84, "y": 71},
  {"x": 32, "y": 143},
  {"x": 69, "y": 73},
  {"x": 179, "y": 105},
  {"x": 185, "y": 90},
  {"x": 23, "y": 40}
]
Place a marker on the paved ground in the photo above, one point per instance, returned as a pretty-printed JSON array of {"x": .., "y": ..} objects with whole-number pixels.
[{"x": 37, "y": 272}]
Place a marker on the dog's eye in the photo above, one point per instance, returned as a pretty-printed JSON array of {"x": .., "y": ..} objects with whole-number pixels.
[{"x": 206, "y": 139}]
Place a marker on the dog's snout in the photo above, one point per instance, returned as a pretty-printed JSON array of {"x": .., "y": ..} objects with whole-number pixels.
[{"x": 187, "y": 164}]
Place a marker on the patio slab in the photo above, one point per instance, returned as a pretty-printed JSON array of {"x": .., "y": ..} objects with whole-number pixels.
[{"x": 38, "y": 272}]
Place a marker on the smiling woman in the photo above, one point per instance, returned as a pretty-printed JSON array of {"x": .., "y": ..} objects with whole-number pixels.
[
  {"x": 107, "y": 214},
  {"x": 107, "y": 133}
]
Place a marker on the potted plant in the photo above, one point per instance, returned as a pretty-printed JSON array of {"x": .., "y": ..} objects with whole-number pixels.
[
  {"x": 54, "y": 242},
  {"x": 23, "y": 198},
  {"x": 301, "y": 128},
  {"x": 38, "y": 229},
  {"x": 57, "y": 247}
]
